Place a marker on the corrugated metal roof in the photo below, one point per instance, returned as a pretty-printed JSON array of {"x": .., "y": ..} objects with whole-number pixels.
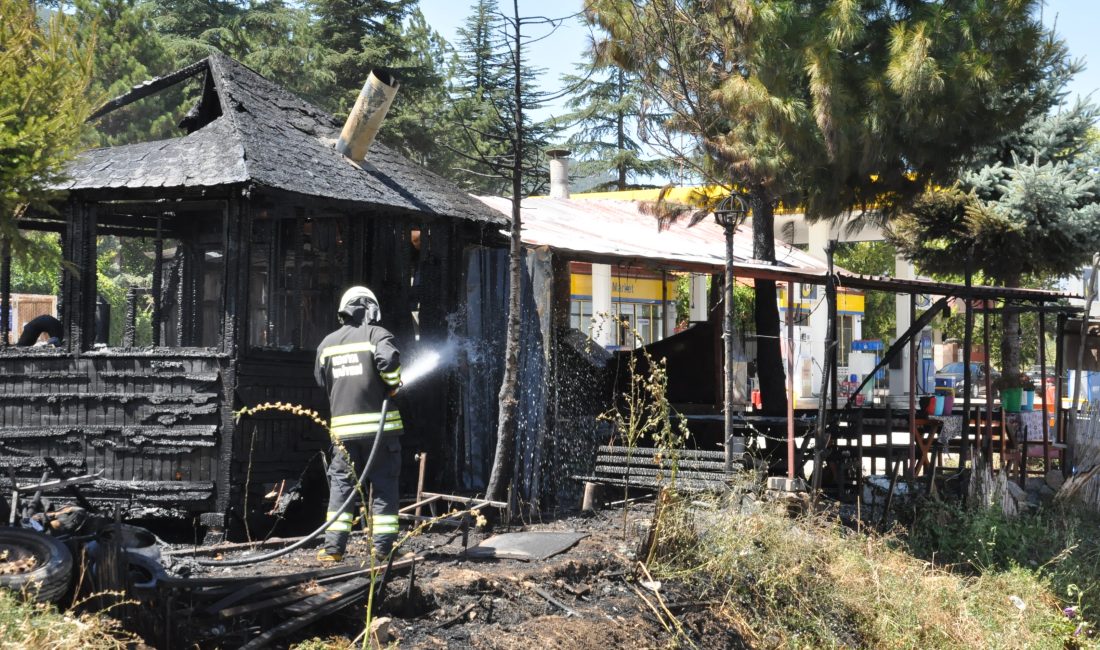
[
  {"x": 609, "y": 230},
  {"x": 620, "y": 229}
]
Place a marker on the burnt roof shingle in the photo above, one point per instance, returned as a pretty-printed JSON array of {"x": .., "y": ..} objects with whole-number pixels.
[{"x": 269, "y": 136}]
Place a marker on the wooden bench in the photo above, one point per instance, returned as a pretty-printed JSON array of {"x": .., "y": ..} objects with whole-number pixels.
[{"x": 645, "y": 467}]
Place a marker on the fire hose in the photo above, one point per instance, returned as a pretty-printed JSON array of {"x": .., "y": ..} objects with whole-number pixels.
[{"x": 266, "y": 557}]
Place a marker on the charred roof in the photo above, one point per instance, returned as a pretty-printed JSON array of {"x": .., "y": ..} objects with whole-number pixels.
[{"x": 248, "y": 129}]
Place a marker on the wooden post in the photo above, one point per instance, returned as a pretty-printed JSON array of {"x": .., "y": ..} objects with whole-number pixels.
[
  {"x": 423, "y": 458},
  {"x": 988, "y": 387},
  {"x": 911, "y": 467},
  {"x": 828, "y": 372},
  {"x": 1059, "y": 372},
  {"x": 1043, "y": 387},
  {"x": 590, "y": 500},
  {"x": 158, "y": 263},
  {"x": 664, "y": 303},
  {"x": 834, "y": 385},
  {"x": 727, "y": 347},
  {"x": 84, "y": 318},
  {"x": 299, "y": 296},
  {"x": 790, "y": 382},
  {"x": 968, "y": 337},
  {"x": 129, "y": 329}
]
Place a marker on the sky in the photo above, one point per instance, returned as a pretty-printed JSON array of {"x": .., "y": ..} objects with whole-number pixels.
[{"x": 1076, "y": 22}]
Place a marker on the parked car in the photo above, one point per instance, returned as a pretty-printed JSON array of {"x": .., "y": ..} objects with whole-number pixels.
[
  {"x": 1034, "y": 372},
  {"x": 978, "y": 372}
]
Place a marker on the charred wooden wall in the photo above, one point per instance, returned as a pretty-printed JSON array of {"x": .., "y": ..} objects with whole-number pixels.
[
  {"x": 424, "y": 280},
  {"x": 151, "y": 422}
]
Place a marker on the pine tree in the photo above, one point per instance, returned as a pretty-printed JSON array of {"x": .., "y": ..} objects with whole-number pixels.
[
  {"x": 417, "y": 124},
  {"x": 832, "y": 105},
  {"x": 128, "y": 51},
  {"x": 355, "y": 36},
  {"x": 44, "y": 75},
  {"x": 273, "y": 37},
  {"x": 1027, "y": 211},
  {"x": 484, "y": 105},
  {"x": 608, "y": 112},
  {"x": 192, "y": 28}
]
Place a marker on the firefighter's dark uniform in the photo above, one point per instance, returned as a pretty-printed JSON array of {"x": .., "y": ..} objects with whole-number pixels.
[{"x": 358, "y": 365}]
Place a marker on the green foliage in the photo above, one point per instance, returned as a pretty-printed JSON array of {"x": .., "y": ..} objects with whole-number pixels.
[
  {"x": 833, "y": 105},
  {"x": 121, "y": 263},
  {"x": 877, "y": 258},
  {"x": 44, "y": 75},
  {"x": 1037, "y": 214},
  {"x": 777, "y": 96},
  {"x": 128, "y": 51},
  {"x": 1062, "y": 547},
  {"x": 39, "y": 269},
  {"x": 273, "y": 37},
  {"x": 608, "y": 110},
  {"x": 1028, "y": 210},
  {"x": 483, "y": 114},
  {"x": 351, "y": 37},
  {"x": 1029, "y": 205}
]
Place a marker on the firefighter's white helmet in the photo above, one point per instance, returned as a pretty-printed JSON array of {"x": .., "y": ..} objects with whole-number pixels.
[{"x": 357, "y": 294}]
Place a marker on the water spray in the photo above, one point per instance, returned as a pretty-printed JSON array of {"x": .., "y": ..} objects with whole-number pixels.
[{"x": 424, "y": 364}]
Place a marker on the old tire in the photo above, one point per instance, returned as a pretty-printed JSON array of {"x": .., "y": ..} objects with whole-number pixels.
[
  {"x": 144, "y": 573},
  {"x": 135, "y": 539},
  {"x": 34, "y": 564}
]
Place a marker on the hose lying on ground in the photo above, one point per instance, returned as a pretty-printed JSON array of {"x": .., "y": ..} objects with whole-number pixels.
[{"x": 256, "y": 559}]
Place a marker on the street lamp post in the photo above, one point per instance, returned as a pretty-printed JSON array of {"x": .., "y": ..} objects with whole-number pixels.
[{"x": 729, "y": 214}]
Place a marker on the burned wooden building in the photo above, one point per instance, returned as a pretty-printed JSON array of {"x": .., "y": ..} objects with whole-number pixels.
[{"x": 255, "y": 225}]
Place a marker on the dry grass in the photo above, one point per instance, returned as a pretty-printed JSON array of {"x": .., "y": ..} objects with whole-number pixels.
[
  {"x": 31, "y": 625},
  {"x": 810, "y": 583}
]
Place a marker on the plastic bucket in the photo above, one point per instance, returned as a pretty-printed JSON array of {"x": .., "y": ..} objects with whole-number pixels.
[
  {"x": 1027, "y": 402},
  {"x": 1011, "y": 398}
]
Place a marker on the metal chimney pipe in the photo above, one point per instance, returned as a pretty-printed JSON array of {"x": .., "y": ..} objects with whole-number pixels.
[
  {"x": 367, "y": 115},
  {"x": 559, "y": 173}
]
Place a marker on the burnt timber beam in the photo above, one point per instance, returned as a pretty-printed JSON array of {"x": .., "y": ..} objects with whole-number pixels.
[
  {"x": 158, "y": 282},
  {"x": 147, "y": 88},
  {"x": 153, "y": 194},
  {"x": 42, "y": 225}
]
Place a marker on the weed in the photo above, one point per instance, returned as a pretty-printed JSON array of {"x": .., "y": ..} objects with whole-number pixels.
[
  {"x": 1061, "y": 546},
  {"x": 34, "y": 625},
  {"x": 811, "y": 582},
  {"x": 644, "y": 412}
]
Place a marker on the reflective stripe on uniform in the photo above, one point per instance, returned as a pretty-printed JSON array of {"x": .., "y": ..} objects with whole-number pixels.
[
  {"x": 364, "y": 418},
  {"x": 355, "y": 424},
  {"x": 342, "y": 524},
  {"x": 346, "y": 348},
  {"x": 392, "y": 378},
  {"x": 385, "y": 524}
]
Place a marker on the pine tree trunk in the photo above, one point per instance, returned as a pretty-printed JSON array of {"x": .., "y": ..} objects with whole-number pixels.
[
  {"x": 506, "y": 422},
  {"x": 769, "y": 359},
  {"x": 620, "y": 133}
]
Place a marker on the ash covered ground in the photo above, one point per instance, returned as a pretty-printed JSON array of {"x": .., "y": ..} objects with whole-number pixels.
[{"x": 594, "y": 595}]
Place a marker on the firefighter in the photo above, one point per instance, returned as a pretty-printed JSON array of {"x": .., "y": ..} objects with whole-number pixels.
[{"x": 359, "y": 366}]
